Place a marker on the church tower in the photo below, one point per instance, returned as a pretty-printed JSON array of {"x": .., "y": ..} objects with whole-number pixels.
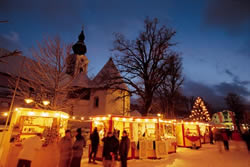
[
  {"x": 78, "y": 61},
  {"x": 77, "y": 68}
]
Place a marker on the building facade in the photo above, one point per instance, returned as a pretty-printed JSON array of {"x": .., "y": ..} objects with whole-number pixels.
[{"x": 100, "y": 96}]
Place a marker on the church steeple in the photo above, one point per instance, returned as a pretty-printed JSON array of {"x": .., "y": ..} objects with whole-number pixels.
[
  {"x": 79, "y": 47},
  {"x": 78, "y": 62}
]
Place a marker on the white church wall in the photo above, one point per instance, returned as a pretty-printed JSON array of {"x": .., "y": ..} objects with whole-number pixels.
[
  {"x": 81, "y": 108},
  {"x": 94, "y": 108},
  {"x": 117, "y": 102}
]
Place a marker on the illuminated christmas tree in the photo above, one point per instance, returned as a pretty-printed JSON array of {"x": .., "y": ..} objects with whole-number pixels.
[{"x": 199, "y": 111}]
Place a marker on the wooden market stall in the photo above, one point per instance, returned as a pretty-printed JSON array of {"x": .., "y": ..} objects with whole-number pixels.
[
  {"x": 205, "y": 130},
  {"x": 27, "y": 122},
  {"x": 167, "y": 132},
  {"x": 146, "y": 141},
  {"x": 188, "y": 134}
]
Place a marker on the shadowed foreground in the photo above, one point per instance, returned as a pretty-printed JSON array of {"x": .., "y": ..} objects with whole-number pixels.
[{"x": 207, "y": 156}]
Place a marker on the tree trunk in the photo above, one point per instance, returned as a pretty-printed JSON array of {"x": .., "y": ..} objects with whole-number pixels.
[{"x": 147, "y": 107}]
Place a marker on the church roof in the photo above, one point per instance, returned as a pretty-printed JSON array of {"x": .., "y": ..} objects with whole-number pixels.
[
  {"x": 12, "y": 65},
  {"x": 81, "y": 80},
  {"x": 109, "y": 76}
]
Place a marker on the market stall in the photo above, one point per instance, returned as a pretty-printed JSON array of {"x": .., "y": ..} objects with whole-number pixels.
[
  {"x": 167, "y": 132},
  {"x": 205, "y": 131},
  {"x": 145, "y": 137},
  {"x": 226, "y": 120},
  {"x": 146, "y": 141},
  {"x": 188, "y": 134},
  {"x": 27, "y": 122}
]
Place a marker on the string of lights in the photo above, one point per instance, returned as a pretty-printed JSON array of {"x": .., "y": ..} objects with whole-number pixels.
[{"x": 199, "y": 111}]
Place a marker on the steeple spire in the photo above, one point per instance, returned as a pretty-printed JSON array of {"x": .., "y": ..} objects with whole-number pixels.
[{"x": 79, "y": 47}]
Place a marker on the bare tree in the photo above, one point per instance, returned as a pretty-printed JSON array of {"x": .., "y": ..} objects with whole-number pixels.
[
  {"x": 169, "y": 90},
  {"x": 235, "y": 104},
  {"x": 144, "y": 61},
  {"x": 44, "y": 76}
]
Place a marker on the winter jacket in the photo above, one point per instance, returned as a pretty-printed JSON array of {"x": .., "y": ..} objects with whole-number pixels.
[
  {"x": 124, "y": 146},
  {"x": 116, "y": 146},
  {"x": 65, "y": 147},
  {"x": 224, "y": 136},
  {"x": 94, "y": 137},
  {"x": 30, "y": 147},
  {"x": 78, "y": 146},
  {"x": 108, "y": 148}
]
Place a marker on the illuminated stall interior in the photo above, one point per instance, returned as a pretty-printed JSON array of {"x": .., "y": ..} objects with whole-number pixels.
[
  {"x": 167, "y": 129},
  {"x": 119, "y": 124},
  {"x": 188, "y": 134},
  {"x": 204, "y": 131},
  {"x": 167, "y": 132},
  {"x": 29, "y": 121},
  {"x": 145, "y": 128},
  {"x": 102, "y": 124},
  {"x": 139, "y": 129}
]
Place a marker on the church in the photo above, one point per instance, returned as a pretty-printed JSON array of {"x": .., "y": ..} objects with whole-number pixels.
[
  {"x": 101, "y": 95},
  {"x": 98, "y": 96}
]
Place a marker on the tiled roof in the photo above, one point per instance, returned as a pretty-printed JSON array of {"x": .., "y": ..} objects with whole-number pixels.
[
  {"x": 81, "y": 80},
  {"x": 109, "y": 76},
  {"x": 12, "y": 64}
]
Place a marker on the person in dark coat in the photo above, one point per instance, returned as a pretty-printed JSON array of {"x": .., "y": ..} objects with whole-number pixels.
[
  {"x": 246, "y": 138},
  {"x": 94, "y": 137},
  {"x": 124, "y": 148},
  {"x": 78, "y": 149},
  {"x": 108, "y": 150},
  {"x": 225, "y": 139},
  {"x": 116, "y": 146},
  {"x": 211, "y": 136}
]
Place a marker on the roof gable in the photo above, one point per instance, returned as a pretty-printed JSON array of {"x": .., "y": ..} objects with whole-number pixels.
[{"x": 109, "y": 76}]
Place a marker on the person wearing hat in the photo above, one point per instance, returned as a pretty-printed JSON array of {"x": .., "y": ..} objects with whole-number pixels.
[
  {"x": 108, "y": 150},
  {"x": 78, "y": 149}
]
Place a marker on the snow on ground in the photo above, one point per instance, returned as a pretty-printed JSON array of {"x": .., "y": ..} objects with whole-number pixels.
[{"x": 207, "y": 156}]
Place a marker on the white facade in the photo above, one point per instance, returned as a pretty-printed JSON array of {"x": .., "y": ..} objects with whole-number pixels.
[{"x": 102, "y": 100}]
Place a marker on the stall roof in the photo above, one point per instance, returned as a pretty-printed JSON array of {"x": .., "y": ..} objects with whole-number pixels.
[{"x": 41, "y": 113}]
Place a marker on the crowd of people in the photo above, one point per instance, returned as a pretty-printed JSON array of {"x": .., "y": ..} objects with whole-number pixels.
[
  {"x": 224, "y": 135},
  {"x": 111, "y": 148},
  {"x": 71, "y": 152}
]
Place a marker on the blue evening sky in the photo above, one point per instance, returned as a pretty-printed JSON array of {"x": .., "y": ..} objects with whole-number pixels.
[{"x": 213, "y": 35}]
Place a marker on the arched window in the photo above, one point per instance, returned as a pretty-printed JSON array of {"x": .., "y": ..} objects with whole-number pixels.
[{"x": 96, "y": 102}]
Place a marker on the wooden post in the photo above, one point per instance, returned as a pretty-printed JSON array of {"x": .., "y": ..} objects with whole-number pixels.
[{"x": 183, "y": 134}]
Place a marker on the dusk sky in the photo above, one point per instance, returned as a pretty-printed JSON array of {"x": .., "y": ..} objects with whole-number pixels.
[{"x": 213, "y": 36}]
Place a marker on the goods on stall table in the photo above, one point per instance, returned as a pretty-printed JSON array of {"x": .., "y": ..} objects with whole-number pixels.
[{"x": 144, "y": 133}]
